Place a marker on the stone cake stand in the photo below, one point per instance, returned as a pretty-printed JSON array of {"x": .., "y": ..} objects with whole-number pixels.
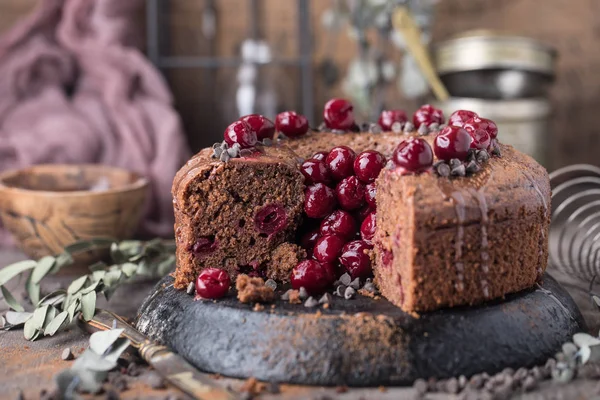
[{"x": 360, "y": 342}]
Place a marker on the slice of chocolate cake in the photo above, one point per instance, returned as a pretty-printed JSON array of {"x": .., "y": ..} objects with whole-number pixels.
[{"x": 234, "y": 212}]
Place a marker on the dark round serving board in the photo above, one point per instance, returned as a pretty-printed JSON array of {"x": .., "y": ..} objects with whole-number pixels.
[{"x": 360, "y": 342}]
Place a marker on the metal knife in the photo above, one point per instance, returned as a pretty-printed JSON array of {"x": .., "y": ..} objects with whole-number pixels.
[{"x": 168, "y": 364}]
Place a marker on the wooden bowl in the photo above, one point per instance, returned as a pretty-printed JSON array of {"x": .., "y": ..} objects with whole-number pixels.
[{"x": 47, "y": 207}]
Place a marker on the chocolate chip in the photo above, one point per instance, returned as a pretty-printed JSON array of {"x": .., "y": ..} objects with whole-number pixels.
[
  {"x": 224, "y": 145},
  {"x": 191, "y": 288},
  {"x": 472, "y": 167},
  {"x": 482, "y": 156},
  {"x": 67, "y": 354},
  {"x": 408, "y": 127},
  {"x": 267, "y": 142},
  {"x": 529, "y": 384},
  {"x": 471, "y": 154},
  {"x": 537, "y": 373},
  {"x": 451, "y": 386},
  {"x": 476, "y": 381},
  {"x": 339, "y": 291},
  {"x": 369, "y": 287},
  {"x": 569, "y": 349},
  {"x": 443, "y": 170},
  {"x": 397, "y": 127},
  {"x": 496, "y": 151},
  {"x": 521, "y": 374},
  {"x": 326, "y": 299},
  {"x": 311, "y": 302},
  {"x": 420, "y": 385},
  {"x": 154, "y": 380},
  {"x": 504, "y": 391},
  {"x": 459, "y": 171},
  {"x": 302, "y": 293},
  {"x": 423, "y": 130},
  {"x": 234, "y": 151},
  {"x": 286, "y": 295},
  {"x": 462, "y": 381},
  {"x": 323, "y": 127},
  {"x": 374, "y": 128},
  {"x": 562, "y": 373},
  {"x": 349, "y": 293},
  {"x": 216, "y": 145},
  {"x": 454, "y": 162},
  {"x": 224, "y": 156},
  {"x": 434, "y": 127},
  {"x": 355, "y": 284},
  {"x": 271, "y": 283},
  {"x": 345, "y": 279},
  {"x": 217, "y": 152}
]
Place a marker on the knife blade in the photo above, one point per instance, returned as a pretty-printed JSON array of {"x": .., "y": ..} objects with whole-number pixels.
[{"x": 171, "y": 366}]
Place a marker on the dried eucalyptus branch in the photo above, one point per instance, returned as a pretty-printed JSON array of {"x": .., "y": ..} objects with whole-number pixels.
[{"x": 58, "y": 309}]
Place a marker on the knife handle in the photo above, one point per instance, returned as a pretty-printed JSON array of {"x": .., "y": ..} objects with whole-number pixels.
[{"x": 105, "y": 320}]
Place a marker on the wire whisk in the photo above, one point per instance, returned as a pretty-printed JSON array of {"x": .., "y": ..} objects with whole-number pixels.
[{"x": 575, "y": 229}]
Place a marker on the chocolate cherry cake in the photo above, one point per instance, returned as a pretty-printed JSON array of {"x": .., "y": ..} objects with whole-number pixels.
[{"x": 441, "y": 215}]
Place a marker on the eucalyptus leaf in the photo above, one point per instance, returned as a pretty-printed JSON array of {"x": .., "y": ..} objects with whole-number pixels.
[
  {"x": 92, "y": 361},
  {"x": 73, "y": 308},
  {"x": 101, "y": 341},
  {"x": 117, "y": 349},
  {"x": 112, "y": 277},
  {"x": 12, "y": 270},
  {"x": 10, "y": 300},
  {"x": 88, "y": 305},
  {"x": 97, "y": 275},
  {"x": 129, "y": 269},
  {"x": 53, "y": 298},
  {"x": 39, "y": 316},
  {"x": 166, "y": 266},
  {"x": 90, "y": 288},
  {"x": 116, "y": 255},
  {"x": 17, "y": 317},
  {"x": 49, "y": 317},
  {"x": 77, "y": 284},
  {"x": 62, "y": 260},
  {"x": 30, "y": 329},
  {"x": 56, "y": 323},
  {"x": 33, "y": 290},
  {"x": 77, "y": 247},
  {"x": 103, "y": 242},
  {"x": 97, "y": 266},
  {"x": 43, "y": 267}
]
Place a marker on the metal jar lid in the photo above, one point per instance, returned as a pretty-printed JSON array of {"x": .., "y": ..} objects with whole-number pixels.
[
  {"x": 499, "y": 110},
  {"x": 477, "y": 50}
]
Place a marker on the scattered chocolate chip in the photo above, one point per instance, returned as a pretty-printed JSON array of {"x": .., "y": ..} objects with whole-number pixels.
[
  {"x": 326, "y": 299},
  {"x": 423, "y": 130},
  {"x": 459, "y": 171},
  {"x": 355, "y": 128},
  {"x": 217, "y": 145},
  {"x": 520, "y": 374},
  {"x": 569, "y": 349},
  {"x": 374, "y": 128},
  {"x": 529, "y": 383},
  {"x": 482, "y": 156},
  {"x": 443, "y": 170},
  {"x": 462, "y": 381},
  {"x": 349, "y": 293},
  {"x": 217, "y": 152},
  {"x": 434, "y": 127},
  {"x": 339, "y": 290},
  {"x": 273, "y": 388},
  {"x": 323, "y": 127},
  {"x": 271, "y": 283},
  {"x": 496, "y": 151},
  {"x": 451, "y": 384},
  {"x": 471, "y": 155},
  {"x": 369, "y": 287},
  {"x": 454, "y": 162},
  {"x": 67, "y": 354},
  {"x": 191, "y": 288},
  {"x": 420, "y": 386},
  {"x": 562, "y": 373},
  {"x": 286, "y": 295},
  {"x": 267, "y": 142},
  {"x": 154, "y": 380},
  {"x": 472, "y": 167},
  {"x": 345, "y": 279},
  {"x": 234, "y": 151},
  {"x": 408, "y": 127},
  {"x": 397, "y": 127},
  {"x": 133, "y": 370},
  {"x": 224, "y": 156},
  {"x": 302, "y": 293},
  {"x": 364, "y": 127},
  {"x": 508, "y": 371},
  {"x": 338, "y": 131},
  {"x": 476, "y": 381},
  {"x": 355, "y": 284},
  {"x": 311, "y": 302}
]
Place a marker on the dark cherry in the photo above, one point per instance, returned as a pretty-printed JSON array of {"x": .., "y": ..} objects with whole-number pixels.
[
  {"x": 483, "y": 123},
  {"x": 362, "y": 213},
  {"x": 350, "y": 193},
  {"x": 388, "y": 117},
  {"x": 459, "y": 117},
  {"x": 355, "y": 260},
  {"x": 368, "y": 226},
  {"x": 452, "y": 142},
  {"x": 413, "y": 155},
  {"x": 204, "y": 245},
  {"x": 264, "y": 127},
  {"x": 340, "y": 161},
  {"x": 328, "y": 248},
  {"x": 240, "y": 132},
  {"x": 368, "y": 164},
  {"x": 308, "y": 240},
  {"x": 319, "y": 200},
  {"x": 480, "y": 138},
  {"x": 291, "y": 124},
  {"x": 270, "y": 219},
  {"x": 339, "y": 114},
  {"x": 339, "y": 223},
  {"x": 312, "y": 276},
  {"x": 315, "y": 171},
  {"x": 332, "y": 270},
  {"x": 320, "y": 155},
  {"x": 427, "y": 115},
  {"x": 370, "y": 193},
  {"x": 212, "y": 283}
]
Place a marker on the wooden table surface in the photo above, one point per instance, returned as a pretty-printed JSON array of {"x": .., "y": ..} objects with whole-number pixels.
[{"x": 29, "y": 367}]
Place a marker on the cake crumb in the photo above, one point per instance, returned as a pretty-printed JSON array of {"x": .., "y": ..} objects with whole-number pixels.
[
  {"x": 382, "y": 389},
  {"x": 253, "y": 386},
  {"x": 341, "y": 389},
  {"x": 294, "y": 297},
  {"x": 283, "y": 259},
  {"x": 258, "y": 307},
  {"x": 366, "y": 293},
  {"x": 253, "y": 290}
]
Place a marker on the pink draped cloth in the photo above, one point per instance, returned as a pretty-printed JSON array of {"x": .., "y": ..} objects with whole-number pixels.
[{"x": 73, "y": 89}]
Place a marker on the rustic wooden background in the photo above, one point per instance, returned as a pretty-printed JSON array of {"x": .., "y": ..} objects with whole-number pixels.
[{"x": 205, "y": 99}]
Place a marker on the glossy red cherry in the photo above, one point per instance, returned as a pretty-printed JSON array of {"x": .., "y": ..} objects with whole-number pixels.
[
  {"x": 328, "y": 248},
  {"x": 368, "y": 164},
  {"x": 427, "y": 115},
  {"x": 339, "y": 114},
  {"x": 459, "y": 117},
  {"x": 312, "y": 276},
  {"x": 319, "y": 200},
  {"x": 355, "y": 260},
  {"x": 483, "y": 123},
  {"x": 370, "y": 193},
  {"x": 340, "y": 161},
  {"x": 212, "y": 283},
  {"x": 320, "y": 155},
  {"x": 315, "y": 171},
  {"x": 362, "y": 213},
  {"x": 291, "y": 124},
  {"x": 339, "y": 223},
  {"x": 264, "y": 127},
  {"x": 367, "y": 228},
  {"x": 350, "y": 193},
  {"x": 308, "y": 240},
  {"x": 388, "y": 117},
  {"x": 480, "y": 139},
  {"x": 413, "y": 155},
  {"x": 240, "y": 132},
  {"x": 270, "y": 219},
  {"x": 452, "y": 142}
]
